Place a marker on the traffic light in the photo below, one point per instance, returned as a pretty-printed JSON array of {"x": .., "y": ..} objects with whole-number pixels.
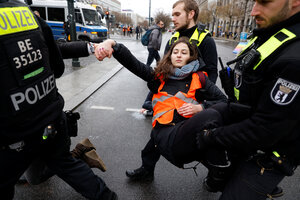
[{"x": 107, "y": 14}]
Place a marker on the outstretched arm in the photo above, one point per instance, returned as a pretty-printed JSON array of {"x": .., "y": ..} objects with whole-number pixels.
[{"x": 124, "y": 57}]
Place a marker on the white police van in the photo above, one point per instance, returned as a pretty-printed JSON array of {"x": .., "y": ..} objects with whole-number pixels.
[{"x": 55, "y": 13}]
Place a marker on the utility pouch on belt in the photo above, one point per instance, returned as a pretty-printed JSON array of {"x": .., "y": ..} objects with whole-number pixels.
[
  {"x": 250, "y": 59},
  {"x": 282, "y": 164},
  {"x": 227, "y": 81},
  {"x": 72, "y": 118}
]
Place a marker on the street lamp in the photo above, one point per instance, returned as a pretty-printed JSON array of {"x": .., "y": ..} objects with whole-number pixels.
[
  {"x": 71, "y": 17},
  {"x": 149, "y": 13}
]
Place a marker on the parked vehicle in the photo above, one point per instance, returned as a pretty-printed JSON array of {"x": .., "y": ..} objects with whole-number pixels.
[{"x": 55, "y": 13}]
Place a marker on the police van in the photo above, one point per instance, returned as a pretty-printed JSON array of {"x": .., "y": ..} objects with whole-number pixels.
[{"x": 55, "y": 13}]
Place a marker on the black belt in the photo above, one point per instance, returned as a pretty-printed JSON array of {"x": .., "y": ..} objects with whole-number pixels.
[{"x": 49, "y": 132}]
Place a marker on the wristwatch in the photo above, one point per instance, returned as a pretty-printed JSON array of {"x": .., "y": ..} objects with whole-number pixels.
[
  {"x": 92, "y": 47},
  {"x": 116, "y": 47}
]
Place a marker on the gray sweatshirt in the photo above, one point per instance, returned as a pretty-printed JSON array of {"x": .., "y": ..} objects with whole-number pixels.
[{"x": 155, "y": 38}]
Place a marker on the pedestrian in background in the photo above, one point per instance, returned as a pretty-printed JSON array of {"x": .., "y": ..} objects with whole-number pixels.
[
  {"x": 137, "y": 32},
  {"x": 67, "y": 29},
  {"x": 155, "y": 42},
  {"x": 124, "y": 30}
]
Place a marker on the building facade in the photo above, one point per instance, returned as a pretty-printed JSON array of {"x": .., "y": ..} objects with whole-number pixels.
[{"x": 229, "y": 16}]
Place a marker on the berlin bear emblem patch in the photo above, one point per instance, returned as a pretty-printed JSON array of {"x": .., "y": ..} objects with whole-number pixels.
[{"x": 284, "y": 92}]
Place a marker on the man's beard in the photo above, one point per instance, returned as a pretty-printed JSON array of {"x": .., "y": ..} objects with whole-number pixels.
[
  {"x": 184, "y": 27},
  {"x": 281, "y": 16}
]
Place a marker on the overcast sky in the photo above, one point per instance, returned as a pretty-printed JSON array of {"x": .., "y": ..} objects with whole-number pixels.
[{"x": 141, "y": 7}]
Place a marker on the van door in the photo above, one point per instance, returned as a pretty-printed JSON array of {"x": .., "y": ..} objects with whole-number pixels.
[{"x": 56, "y": 19}]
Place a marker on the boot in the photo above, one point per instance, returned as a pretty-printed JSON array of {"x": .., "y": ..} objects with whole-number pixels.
[
  {"x": 277, "y": 192},
  {"x": 86, "y": 142},
  {"x": 216, "y": 178},
  {"x": 94, "y": 161},
  {"x": 140, "y": 174},
  {"x": 109, "y": 195},
  {"x": 86, "y": 151}
]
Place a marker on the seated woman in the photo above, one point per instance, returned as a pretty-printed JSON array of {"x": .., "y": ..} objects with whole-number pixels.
[{"x": 180, "y": 91}]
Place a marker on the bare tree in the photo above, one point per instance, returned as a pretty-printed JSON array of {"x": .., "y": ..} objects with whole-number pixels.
[
  {"x": 205, "y": 15},
  {"x": 230, "y": 11},
  {"x": 164, "y": 17}
]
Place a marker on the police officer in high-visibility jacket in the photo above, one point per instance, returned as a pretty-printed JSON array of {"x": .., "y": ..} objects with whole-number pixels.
[
  {"x": 266, "y": 79},
  {"x": 31, "y": 107}
]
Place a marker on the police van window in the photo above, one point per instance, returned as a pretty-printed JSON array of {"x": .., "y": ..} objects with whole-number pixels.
[
  {"x": 91, "y": 17},
  {"x": 41, "y": 10},
  {"x": 78, "y": 17},
  {"x": 56, "y": 14}
]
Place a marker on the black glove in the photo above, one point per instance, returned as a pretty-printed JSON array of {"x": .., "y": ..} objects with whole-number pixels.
[
  {"x": 154, "y": 85},
  {"x": 203, "y": 139}
]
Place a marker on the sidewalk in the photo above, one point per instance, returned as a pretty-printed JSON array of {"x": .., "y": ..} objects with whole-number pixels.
[{"x": 77, "y": 86}]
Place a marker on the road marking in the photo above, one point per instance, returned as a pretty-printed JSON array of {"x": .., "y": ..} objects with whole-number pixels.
[
  {"x": 132, "y": 110},
  {"x": 102, "y": 108}
]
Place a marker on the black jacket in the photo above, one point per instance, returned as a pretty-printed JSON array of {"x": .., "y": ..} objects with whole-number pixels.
[
  {"x": 208, "y": 52},
  {"x": 74, "y": 49},
  {"x": 272, "y": 126}
]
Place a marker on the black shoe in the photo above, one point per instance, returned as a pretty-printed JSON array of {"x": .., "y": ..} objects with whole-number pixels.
[
  {"x": 140, "y": 174},
  {"x": 22, "y": 180},
  {"x": 109, "y": 195},
  {"x": 213, "y": 185},
  {"x": 277, "y": 192}
]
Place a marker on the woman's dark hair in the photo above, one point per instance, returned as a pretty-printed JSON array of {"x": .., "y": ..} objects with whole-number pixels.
[{"x": 165, "y": 68}]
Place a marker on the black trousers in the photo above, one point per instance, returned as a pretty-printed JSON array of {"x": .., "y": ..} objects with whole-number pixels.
[
  {"x": 178, "y": 143},
  {"x": 55, "y": 152},
  {"x": 153, "y": 54},
  {"x": 248, "y": 183},
  {"x": 245, "y": 181}
]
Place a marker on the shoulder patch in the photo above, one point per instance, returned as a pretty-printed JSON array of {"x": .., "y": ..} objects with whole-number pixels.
[{"x": 284, "y": 92}]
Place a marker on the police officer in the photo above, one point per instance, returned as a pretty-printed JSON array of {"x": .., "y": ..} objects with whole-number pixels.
[
  {"x": 266, "y": 78},
  {"x": 31, "y": 107},
  {"x": 184, "y": 16}
]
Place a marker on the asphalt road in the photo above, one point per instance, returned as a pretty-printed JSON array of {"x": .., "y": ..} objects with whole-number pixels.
[{"x": 109, "y": 119}]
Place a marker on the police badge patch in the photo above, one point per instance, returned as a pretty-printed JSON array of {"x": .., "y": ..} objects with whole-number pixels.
[{"x": 284, "y": 92}]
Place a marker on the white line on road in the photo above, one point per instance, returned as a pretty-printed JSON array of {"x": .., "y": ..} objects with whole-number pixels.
[
  {"x": 132, "y": 110},
  {"x": 102, "y": 108}
]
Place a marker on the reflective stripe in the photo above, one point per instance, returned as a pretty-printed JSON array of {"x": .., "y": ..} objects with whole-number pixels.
[
  {"x": 272, "y": 44},
  {"x": 236, "y": 93},
  {"x": 267, "y": 48},
  {"x": 16, "y": 19},
  {"x": 248, "y": 45},
  {"x": 158, "y": 115},
  {"x": 160, "y": 99},
  {"x": 164, "y": 104},
  {"x": 181, "y": 96},
  {"x": 195, "y": 37}
]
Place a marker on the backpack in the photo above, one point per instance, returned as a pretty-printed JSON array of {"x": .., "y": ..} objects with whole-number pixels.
[{"x": 145, "y": 37}]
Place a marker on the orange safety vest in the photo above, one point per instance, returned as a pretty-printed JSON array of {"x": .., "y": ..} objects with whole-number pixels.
[{"x": 164, "y": 104}]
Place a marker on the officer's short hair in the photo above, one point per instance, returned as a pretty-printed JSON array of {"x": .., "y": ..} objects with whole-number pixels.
[{"x": 189, "y": 5}]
